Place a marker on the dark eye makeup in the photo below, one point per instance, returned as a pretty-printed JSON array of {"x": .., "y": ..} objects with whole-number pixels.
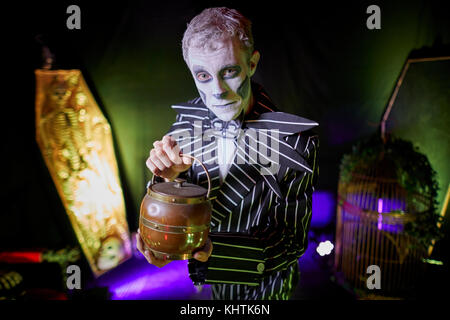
[{"x": 228, "y": 72}]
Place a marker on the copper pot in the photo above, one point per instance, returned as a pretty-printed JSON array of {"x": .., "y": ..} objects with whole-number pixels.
[{"x": 175, "y": 217}]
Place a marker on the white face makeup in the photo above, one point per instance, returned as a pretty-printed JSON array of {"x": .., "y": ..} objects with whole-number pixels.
[{"x": 222, "y": 78}]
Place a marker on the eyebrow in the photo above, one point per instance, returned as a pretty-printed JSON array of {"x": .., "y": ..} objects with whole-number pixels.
[
  {"x": 230, "y": 66},
  {"x": 197, "y": 68}
]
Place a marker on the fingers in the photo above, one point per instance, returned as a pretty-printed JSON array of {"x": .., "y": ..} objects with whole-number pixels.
[
  {"x": 164, "y": 155},
  {"x": 152, "y": 167},
  {"x": 148, "y": 254},
  {"x": 159, "y": 157},
  {"x": 171, "y": 149},
  {"x": 204, "y": 253},
  {"x": 155, "y": 164},
  {"x": 140, "y": 245},
  {"x": 139, "y": 242},
  {"x": 155, "y": 261},
  {"x": 186, "y": 160}
]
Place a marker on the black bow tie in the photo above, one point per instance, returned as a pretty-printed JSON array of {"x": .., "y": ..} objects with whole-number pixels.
[{"x": 226, "y": 129}]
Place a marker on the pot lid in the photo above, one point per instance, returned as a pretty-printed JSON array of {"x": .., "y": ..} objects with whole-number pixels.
[{"x": 179, "y": 189}]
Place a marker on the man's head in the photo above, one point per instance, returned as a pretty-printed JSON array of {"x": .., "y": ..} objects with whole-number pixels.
[{"x": 218, "y": 49}]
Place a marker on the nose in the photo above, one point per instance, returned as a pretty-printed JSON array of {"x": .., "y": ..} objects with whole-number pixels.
[
  {"x": 221, "y": 95},
  {"x": 219, "y": 90}
]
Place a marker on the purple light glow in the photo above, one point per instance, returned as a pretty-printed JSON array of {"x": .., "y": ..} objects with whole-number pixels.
[
  {"x": 387, "y": 206},
  {"x": 138, "y": 280},
  {"x": 380, "y": 205},
  {"x": 323, "y": 208},
  {"x": 380, "y": 216},
  {"x": 150, "y": 281},
  {"x": 373, "y": 203}
]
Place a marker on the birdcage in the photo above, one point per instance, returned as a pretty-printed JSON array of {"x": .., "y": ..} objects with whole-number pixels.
[
  {"x": 387, "y": 211},
  {"x": 373, "y": 211}
]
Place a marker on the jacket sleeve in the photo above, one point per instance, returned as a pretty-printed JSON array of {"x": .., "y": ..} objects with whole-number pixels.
[{"x": 243, "y": 259}]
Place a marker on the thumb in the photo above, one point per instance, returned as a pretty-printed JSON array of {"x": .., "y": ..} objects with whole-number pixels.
[{"x": 203, "y": 254}]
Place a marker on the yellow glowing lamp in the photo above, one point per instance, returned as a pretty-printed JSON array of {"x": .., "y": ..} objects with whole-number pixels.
[{"x": 76, "y": 142}]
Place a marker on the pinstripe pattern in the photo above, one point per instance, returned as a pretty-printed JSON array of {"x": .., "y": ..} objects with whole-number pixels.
[{"x": 259, "y": 222}]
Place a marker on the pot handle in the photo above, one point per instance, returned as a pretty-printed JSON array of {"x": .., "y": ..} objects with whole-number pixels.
[{"x": 203, "y": 166}]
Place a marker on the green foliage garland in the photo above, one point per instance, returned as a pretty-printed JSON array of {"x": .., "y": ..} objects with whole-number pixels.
[{"x": 413, "y": 171}]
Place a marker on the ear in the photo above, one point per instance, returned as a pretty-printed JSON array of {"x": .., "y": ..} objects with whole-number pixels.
[{"x": 254, "y": 59}]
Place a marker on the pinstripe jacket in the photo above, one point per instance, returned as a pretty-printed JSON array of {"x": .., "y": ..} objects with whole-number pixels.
[{"x": 260, "y": 219}]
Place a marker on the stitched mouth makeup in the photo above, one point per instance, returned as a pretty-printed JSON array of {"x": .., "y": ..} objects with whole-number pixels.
[{"x": 224, "y": 105}]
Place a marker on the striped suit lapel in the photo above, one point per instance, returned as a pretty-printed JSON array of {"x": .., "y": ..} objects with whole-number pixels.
[{"x": 240, "y": 180}]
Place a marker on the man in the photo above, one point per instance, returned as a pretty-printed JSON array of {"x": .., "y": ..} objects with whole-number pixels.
[{"x": 261, "y": 209}]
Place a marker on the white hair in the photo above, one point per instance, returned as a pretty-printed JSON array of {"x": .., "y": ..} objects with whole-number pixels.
[{"x": 215, "y": 24}]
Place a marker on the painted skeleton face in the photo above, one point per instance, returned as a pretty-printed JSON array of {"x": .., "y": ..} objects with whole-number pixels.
[
  {"x": 223, "y": 76},
  {"x": 111, "y": 253}
]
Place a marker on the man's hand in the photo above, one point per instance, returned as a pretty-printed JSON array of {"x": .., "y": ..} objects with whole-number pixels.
[
  {"x": 165, "y": 160},
  {"x": 202, "y": 254},
  {"x": 148, "y": 254}
]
